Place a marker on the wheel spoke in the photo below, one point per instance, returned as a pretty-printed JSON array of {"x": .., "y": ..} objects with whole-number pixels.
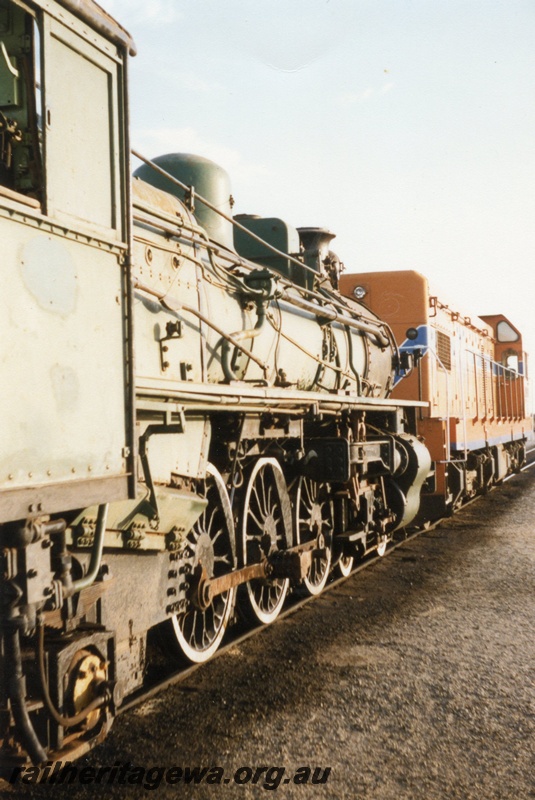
[
  {"x": 208, "y": 527},
  {"x": 259, "y": 523},
  {"x": 310, "y": 494},
  {"x": 264, "y": 496},
  {"x": 215, "y": 536},
  {"x": 259, "y": 499}
]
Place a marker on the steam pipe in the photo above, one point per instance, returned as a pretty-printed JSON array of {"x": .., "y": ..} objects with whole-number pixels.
[
  {"x": 174, "y": 305},
  {"x": 17, "y": 696},
  {"x": 333, "y": 316},
  {"x": 351, "y": 364},
  {"x": 229, "y": 373},
  {"x": 96, "y": 552}
]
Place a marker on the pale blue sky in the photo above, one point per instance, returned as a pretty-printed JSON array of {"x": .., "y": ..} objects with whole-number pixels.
[{"x": 407, "y": 127}]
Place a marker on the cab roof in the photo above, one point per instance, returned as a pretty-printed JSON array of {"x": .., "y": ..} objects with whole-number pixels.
[{"x": 94, "y": 15}]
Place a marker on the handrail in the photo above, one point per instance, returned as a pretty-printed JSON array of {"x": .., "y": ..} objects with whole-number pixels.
[
  {"x": 368, "y": 327},
  {"x": 224, "y": 216},
  {"x": 448, "y": 460},
  {"x": 505, "y": 377}
]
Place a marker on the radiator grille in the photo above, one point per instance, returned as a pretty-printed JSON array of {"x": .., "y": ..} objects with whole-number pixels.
[{"x": 444, "y": 349}]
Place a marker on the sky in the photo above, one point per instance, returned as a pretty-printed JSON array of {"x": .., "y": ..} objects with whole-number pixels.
[{"x": 406, "y": 127}]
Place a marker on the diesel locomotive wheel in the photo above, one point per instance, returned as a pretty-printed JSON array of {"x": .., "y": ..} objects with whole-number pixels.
[
  {"x": 314, "y": 523},
  {"x": 196, "y": 634},
  {"x": 266, "y": 528}
]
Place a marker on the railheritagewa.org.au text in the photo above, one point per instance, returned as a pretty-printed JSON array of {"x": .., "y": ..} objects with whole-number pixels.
[{"x": 63, "y": 773}]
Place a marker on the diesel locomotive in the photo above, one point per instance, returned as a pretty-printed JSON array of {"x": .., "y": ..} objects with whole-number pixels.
[
  {"x": 198, "y": 416},
  {"x": 472, "y": 374}
]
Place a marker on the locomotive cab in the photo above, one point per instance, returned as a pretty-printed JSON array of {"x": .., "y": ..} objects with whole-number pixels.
[
  {"x": 67, "y": 437},
  {"x": 64, "y": 226}
]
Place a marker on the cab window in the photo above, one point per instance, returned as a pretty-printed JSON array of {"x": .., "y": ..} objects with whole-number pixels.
[
  {"x": 21, "y": 168},
  {"x": 61, "y": 120}
]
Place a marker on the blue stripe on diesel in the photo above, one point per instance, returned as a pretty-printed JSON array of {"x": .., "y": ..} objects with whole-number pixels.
[{"x": 421, "y": 343}]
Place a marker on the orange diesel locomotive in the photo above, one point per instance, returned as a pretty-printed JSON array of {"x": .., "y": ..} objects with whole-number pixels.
[{"x": 472, "y": 373}]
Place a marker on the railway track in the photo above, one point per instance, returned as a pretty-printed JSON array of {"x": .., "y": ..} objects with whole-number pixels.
[{"x": 294, "y": 604}]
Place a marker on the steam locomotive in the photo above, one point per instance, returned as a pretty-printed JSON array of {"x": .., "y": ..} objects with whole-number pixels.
[{"x": 196, "y": 421}]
